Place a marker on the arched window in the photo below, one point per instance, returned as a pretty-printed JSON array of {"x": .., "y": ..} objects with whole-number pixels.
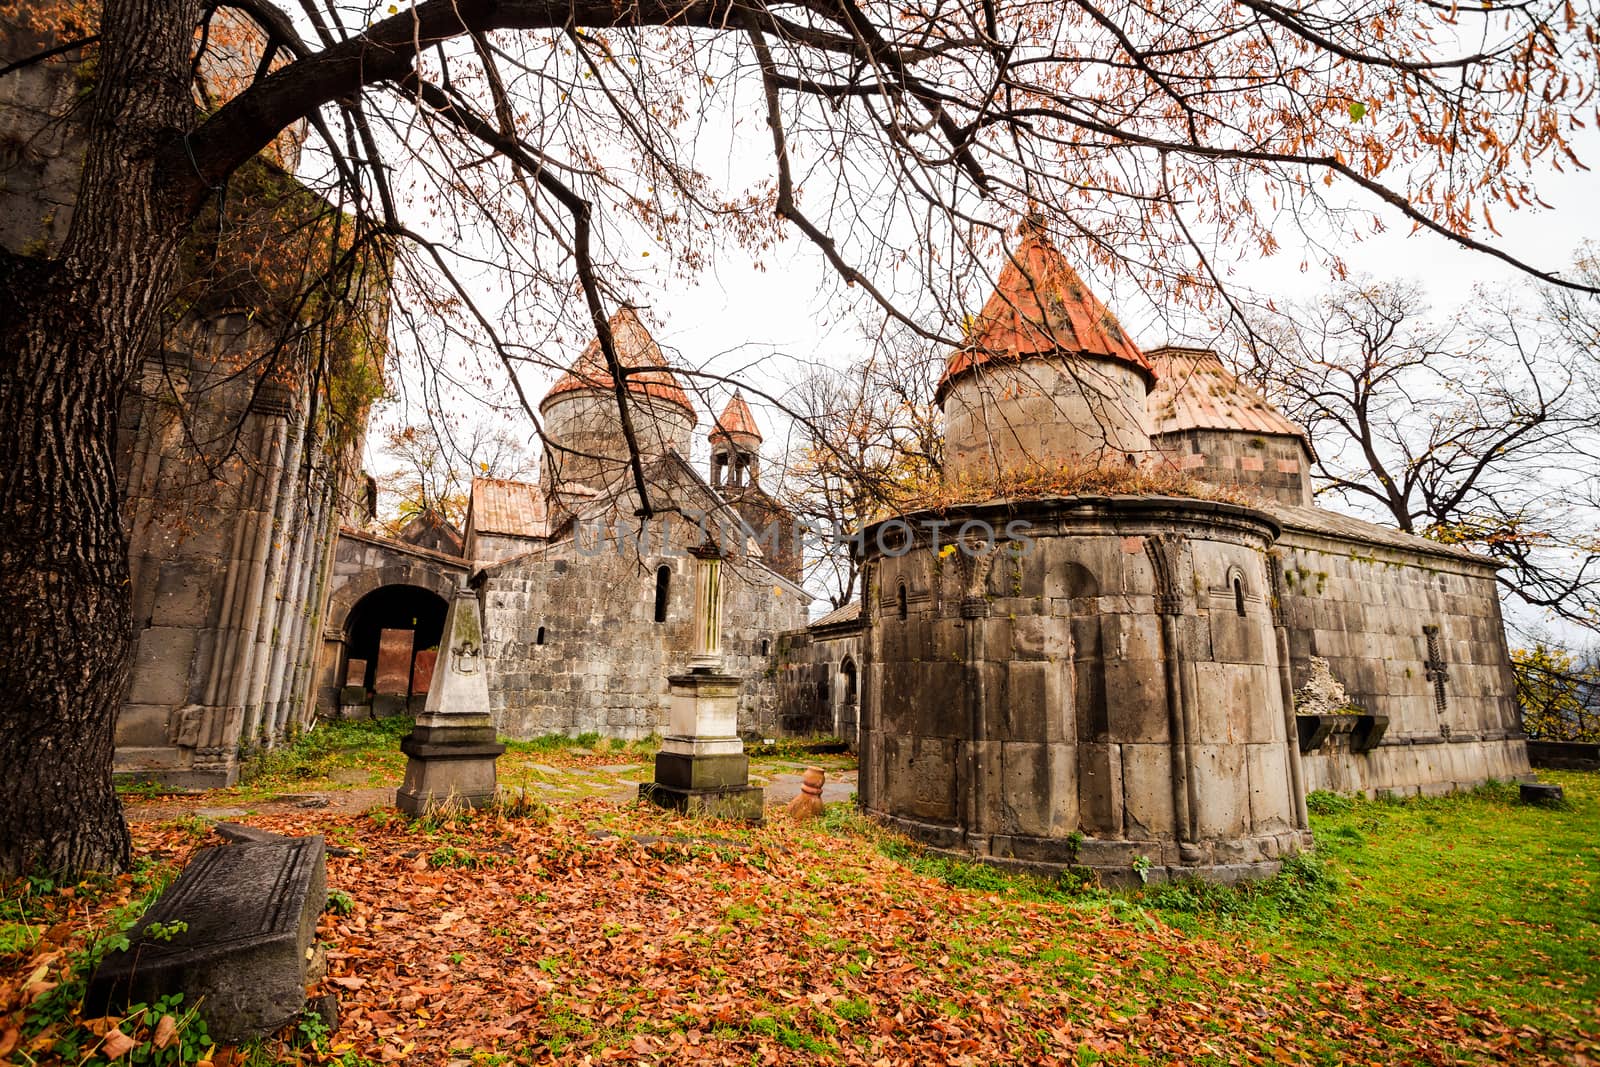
[
  {"x": 1238, "y": 594},
  {"x": 848, "y": 669},
  {"x": 900, "y": 599},
  {"x": 765, "y": 645},
  {"x": 538, "y": 638},
  {"x": 663, "y": 590}
]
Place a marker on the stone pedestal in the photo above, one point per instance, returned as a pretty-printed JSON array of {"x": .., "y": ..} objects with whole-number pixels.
[
  {"x": 353, "y": 703},
  {"x": 452, "y": 749},
  {"x": 701, "y": 768}
]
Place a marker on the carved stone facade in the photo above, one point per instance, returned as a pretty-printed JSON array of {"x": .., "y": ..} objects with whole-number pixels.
[
  {"x": 235, "y": 483},
  {"x": 1108, "y": 681}
]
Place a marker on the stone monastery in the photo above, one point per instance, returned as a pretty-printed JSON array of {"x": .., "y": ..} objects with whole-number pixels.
[{"x": 1102, "y": 678}]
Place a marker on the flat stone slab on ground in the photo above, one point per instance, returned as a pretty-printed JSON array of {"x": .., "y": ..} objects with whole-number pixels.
[
  {"x": 620, "y": 768},
  {"x": 1540, "y": 793},
  {"x": 239, "y": 834},
  {"x": 220, "y": 813},
  {"x": 248, "y": 914}
]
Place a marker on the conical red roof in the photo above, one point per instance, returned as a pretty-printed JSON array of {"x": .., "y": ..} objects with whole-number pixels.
[
  {"x": 736, "y": 418},
  {"x": 635, "y": 348},
  {"x": 1041, "y": 307}
]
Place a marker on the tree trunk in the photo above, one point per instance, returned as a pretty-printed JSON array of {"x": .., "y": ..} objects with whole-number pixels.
[{"x": 72, "y": 330}]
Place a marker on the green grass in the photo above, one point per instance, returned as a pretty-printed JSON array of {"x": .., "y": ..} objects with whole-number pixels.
[
  {"x": 1475, "y": 896},
  {"x": 307, "y": 762}
]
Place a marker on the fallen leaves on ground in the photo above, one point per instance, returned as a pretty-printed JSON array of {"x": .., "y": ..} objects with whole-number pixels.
[{"x": 655, "y": 940}]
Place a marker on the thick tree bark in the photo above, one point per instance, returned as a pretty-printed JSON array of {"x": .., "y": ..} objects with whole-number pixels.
[{"x": 72, "y": 330}]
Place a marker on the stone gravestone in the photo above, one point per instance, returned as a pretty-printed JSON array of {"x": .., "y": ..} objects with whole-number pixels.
[
  {"x": 452, "y": 749},
  {"x": 421, "y": 678},
  {"x": 393, "y": 683},
  {"x": 231, "y": 934},
  {"x": 353, "y": 694}
]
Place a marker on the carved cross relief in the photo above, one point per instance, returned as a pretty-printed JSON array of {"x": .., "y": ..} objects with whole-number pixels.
[{"x": 1437, "y": 672}]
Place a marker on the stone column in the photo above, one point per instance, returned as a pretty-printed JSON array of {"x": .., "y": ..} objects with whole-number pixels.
[
  {"x": 701, "y": 768},
  {"x": 452, "y": 748},
  {"x": 707, "y": 654}
]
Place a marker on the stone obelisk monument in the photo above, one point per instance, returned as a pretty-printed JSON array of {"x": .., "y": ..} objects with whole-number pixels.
[
  {"x": 701, "y": 768},
  {"x": 452, "y": 748}
]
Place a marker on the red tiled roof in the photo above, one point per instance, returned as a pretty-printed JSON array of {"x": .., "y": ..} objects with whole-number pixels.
[
  {"x": 735, "y": 418},
  {"x": 504, "y": 507},
  {"x": 1194, "y": 391},
  {"x": 635, "y": 348},
  {"x": 1041, "y": 307}
]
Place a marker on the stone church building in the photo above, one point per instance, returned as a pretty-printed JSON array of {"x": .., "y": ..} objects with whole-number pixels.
[
  {"x": 1142, "y": 680},
  {"x": 587, "y": 601}
]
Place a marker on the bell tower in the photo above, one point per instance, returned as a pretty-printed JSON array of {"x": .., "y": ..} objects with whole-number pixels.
[{"x": 735, "y": 448}]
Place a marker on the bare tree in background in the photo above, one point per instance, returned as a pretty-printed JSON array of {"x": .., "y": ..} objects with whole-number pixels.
[
  {"x": 1480, "y": 429},
  {"x": 867, "y": 439},
  {"x": 541, "y": 147},
  {"x": 433, "y": 471}
]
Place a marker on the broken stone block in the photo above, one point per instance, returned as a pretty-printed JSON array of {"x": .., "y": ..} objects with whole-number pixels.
[
  {"x": 394, "y": 663},
  {"x": 422, "y": 672},
  {"x": 1540, "y": 793},
  {"x": 231, "y": 934}
]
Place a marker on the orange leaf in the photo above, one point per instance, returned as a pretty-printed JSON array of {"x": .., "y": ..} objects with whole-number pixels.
[{"x": 116, "y": 1044}]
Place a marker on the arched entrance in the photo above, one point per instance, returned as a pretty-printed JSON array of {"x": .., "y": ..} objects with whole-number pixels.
[{"x": 388, "y": 630}]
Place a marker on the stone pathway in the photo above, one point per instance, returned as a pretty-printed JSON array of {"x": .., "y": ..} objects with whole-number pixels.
[{"x": 618, "y": 782}]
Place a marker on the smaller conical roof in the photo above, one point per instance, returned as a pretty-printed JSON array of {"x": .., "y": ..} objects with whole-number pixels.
[
  {"x": 1041, "y": 307},
  {"x": 635, "y": 348},
  {"x": 736, "y": 418}
]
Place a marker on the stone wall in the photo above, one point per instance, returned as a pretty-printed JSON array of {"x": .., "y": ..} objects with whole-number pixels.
[
  {"x": 573, "y": 646},
  {"x": 819, "y": 681},
  {"x": 1009, "y": 415},
  {"x": 230, "y": 542},
  {"x": 1106, "y": 690},
  {"x": 1362, "y": 598},
  {"x": 584, "y": 435},
  {"x": 232, "y": 493},
  {"x": 41, "y": 154},
  {"x": 1273, "y": 465}
]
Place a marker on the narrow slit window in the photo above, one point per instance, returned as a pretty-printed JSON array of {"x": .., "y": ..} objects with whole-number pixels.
[
  {"x": 1238, "y": 594},
  {"x": 900, "y": 599},
  {"x": 538, "y": 638},
  {"x": 765, "y": 645},
  {"x": 663, "y": 591}
]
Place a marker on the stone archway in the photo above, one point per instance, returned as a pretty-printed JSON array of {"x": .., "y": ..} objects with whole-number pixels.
[
  {"x": 404, "y": 621},
  {"x": 364, "y": 565}
]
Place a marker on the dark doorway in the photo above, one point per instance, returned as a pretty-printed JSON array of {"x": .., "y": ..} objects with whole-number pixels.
[{"x": 393, "y": 607}]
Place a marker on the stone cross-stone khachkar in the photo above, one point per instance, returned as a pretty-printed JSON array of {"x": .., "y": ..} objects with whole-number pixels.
[
  {"x": 452, "y": 748},
  {"x": 701, "y": 768}
]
